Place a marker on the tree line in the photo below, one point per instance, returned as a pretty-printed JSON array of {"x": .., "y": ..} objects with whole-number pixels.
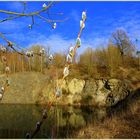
[{"x": 104, "y": 61}]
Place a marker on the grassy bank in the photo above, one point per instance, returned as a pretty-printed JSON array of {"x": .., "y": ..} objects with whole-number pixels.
[{"x": 122, "y": 123}]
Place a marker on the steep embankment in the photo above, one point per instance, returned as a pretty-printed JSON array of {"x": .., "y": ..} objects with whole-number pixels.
[
  {"x": 31, "y": 88},
  {"x": 24, "y": 88},
  {"x": 106, "y": 92}
]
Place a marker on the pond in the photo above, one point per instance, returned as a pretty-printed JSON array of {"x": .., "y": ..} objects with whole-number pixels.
[{"x": 62, "y": 121}]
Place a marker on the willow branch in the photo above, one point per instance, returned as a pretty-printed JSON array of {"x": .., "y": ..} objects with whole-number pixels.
[
  {"x": 9, "y": 18},
  {"x": 49, "y": 20},
  {"x": 32, "y": 14},
  {"x": 16, "y": 50},
  {"x": 2, "y": 36},
  {"x": 10, "y": 44},
  {"x": 29, "y": 14},
  {"x": 24, "y": 7}
]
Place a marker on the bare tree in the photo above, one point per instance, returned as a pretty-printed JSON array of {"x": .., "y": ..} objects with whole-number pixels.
[
  {"x": 88, "y": 61},
  {"x": 121, "y": 40}
]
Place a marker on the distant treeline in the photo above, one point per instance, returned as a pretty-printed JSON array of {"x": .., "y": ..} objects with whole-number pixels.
[{"x": 103, "y": 61}]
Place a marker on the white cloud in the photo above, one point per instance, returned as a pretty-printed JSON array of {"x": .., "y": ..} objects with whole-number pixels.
[
  {"x": 61, "y": 44},
  {"x": 12, "y": 25},
  {"x": 57, "y": 42},
  {"x": 129, "y": 21},
  {"x": 98, "y": 36}
]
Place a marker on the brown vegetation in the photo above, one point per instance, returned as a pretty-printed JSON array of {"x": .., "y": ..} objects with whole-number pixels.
[
  {"x": 114, "y": 60},
  {"x": 123, "y": 123},
  {"x": 111, "y": 60}
]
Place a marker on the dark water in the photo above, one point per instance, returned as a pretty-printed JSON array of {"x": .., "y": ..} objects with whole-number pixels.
[{"x": 62, "y": 121}]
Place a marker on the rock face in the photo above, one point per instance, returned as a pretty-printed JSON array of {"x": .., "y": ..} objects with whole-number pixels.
[
  {"x": 76, "y": 86},
  {"x": 72, "y": 90},
  {"x": 31, "y": 88},
  {"x": 95, "y": 92},
  {"x": 25, "y": 88}
]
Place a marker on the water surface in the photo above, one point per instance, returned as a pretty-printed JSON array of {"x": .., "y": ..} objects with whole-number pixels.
[{"x": 62, "y": 121}]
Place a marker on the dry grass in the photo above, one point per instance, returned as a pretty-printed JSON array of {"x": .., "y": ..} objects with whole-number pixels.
[{"x": 121, "y": 124}]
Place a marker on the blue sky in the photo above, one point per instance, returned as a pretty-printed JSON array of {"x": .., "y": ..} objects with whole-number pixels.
[{"x": 102, "y": 19}]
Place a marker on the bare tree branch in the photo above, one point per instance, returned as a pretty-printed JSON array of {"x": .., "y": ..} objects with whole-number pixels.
[
  {"x": 28, "y": 14},
  {"x": 31, "y": 14},
  {"x": 12, "y": 45},
  {"x": 49, "y": 20},
  {"x": 2, "y": 36},
  {"x": 9, "y": 18},
  {"x": 24, "y": 7},
  {"x": 15, "y": 15}
]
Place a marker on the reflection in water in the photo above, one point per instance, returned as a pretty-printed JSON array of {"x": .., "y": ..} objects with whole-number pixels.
[{"x": 62, "y": 121}]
